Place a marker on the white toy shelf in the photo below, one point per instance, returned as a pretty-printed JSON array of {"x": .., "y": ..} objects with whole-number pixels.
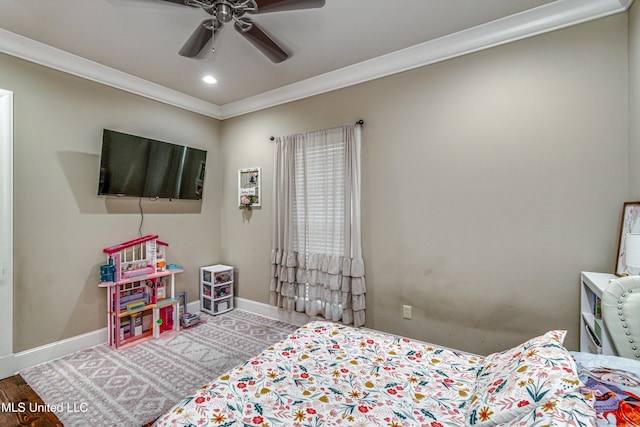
[{"x": 138, "y": 304}]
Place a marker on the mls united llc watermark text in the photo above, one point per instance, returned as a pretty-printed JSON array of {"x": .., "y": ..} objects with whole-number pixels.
[{"x": 33, "y": 407}]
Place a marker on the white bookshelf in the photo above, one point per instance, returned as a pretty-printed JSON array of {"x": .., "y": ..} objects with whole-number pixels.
[{"x": 594, "y": 336}]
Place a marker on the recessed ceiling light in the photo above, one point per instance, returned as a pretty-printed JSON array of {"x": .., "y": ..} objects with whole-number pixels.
[{"x": 209, "y": 79}]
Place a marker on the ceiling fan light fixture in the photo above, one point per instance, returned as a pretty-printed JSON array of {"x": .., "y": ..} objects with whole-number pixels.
[{"x": 209, "y": 79}]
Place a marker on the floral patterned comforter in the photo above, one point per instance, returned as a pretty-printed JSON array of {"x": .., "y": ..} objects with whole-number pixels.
[{"x": 327, "y": 374}]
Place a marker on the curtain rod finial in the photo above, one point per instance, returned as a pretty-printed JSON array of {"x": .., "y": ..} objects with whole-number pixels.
[
  {"x": 272, "y": 138},
  {"x": 360, "y": 122}
]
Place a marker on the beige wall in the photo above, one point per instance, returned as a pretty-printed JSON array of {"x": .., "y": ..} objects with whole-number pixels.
[
  {"x": 61, "y": 225},
  {"x": 634, "y": 102},
  {"x": 489, "y": 182}
]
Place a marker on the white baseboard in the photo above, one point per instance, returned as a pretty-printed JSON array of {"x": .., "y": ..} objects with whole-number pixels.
[
  {"x": 193, "y": 306},
  {"x": 14, "y": 363},
  {"x": 267, "y": 310}
]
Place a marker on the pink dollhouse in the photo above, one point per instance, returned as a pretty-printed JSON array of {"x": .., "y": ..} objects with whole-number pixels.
[{"x": 141, "y": 305}]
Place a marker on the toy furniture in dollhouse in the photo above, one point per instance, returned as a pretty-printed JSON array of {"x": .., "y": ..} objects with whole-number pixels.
[
  {"x": 216, "y": 289},
  {"x": 140, "y": 303}
]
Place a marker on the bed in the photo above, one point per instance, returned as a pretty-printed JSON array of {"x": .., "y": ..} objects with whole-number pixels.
[
  {"x": 613, "y": 384},
  {"x": 327, "y": 374}
]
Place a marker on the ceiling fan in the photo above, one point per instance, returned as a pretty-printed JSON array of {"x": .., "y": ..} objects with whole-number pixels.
[{"x": 223, "y": 11}]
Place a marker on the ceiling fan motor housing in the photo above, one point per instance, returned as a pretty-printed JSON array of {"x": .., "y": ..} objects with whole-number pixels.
[{"x": 224, "y": 11}]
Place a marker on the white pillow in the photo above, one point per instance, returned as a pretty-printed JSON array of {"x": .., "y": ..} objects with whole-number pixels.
[{"x": 514, "y": 381}]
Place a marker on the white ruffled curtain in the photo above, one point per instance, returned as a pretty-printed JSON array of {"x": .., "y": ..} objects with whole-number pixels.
[{"x": 316, "y": 257}]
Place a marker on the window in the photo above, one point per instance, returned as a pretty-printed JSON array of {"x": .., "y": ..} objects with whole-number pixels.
[
  {"x": 318, "y": 203},
  {"x": 316, "y": 257}
]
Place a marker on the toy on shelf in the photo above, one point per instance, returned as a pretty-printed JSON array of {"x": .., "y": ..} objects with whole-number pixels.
[
  {"x": 108, "y": 272},
  {"x": 140, "y": 304}
]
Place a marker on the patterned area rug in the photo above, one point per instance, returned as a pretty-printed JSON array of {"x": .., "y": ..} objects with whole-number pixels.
[{"x": 102, "y": 386}]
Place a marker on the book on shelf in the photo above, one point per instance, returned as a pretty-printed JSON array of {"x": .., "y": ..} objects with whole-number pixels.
[
  {"x": 147, "y": 319},
  {"x": 125, "y": 329},
  {"x": 136, "y": 320}
]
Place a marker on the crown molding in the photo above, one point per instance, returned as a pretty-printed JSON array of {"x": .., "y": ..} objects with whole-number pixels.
[
  {"x": 543, "y": 19},
  {"x": 42, "y": 54},
  {"x": 550, "y": 17}
]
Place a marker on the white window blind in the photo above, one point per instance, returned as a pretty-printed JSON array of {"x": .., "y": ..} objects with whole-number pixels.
[{"x": 319, "y": 200}]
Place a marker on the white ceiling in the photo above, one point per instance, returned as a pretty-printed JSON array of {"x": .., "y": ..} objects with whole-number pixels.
[{"x": 133, "y": 44}]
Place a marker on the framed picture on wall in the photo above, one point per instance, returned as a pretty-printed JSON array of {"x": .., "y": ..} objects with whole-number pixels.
[
  {"x": 249, "y": 187},
  {"x": 630, "y": 223}
]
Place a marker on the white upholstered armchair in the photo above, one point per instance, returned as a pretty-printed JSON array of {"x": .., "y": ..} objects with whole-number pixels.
[{"x": 621, "y": 313}]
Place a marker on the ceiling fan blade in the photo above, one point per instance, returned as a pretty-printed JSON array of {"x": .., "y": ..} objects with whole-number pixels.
[
  {"x": 265, "y": 6},
  {"x": 263, "y": 42},
  {"x": 198, "y": 39}
]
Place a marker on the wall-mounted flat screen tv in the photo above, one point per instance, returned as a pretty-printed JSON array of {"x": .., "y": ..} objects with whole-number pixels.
[{"x": 141, "y": 167}]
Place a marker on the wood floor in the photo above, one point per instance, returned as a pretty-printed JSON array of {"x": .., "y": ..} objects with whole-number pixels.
[
  {"x": 19, "y": 405},
  {"x": 17, "y": 400}
]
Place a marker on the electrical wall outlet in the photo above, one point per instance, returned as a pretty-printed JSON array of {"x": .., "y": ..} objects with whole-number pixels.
[{"x": 406, "y": 312}]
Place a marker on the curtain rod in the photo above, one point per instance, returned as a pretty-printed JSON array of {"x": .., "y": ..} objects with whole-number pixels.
[{"x": 359, "y": 123}]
